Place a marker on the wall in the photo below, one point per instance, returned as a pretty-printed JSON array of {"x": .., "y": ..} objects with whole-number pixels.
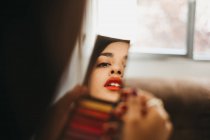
[{"x": 148, "y": 65}]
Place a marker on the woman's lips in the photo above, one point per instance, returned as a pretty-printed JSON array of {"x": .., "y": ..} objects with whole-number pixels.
[{"x": 113, "y": 83}]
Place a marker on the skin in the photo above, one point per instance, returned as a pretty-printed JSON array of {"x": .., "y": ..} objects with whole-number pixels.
[
  {"x": 110, "y": 64},
  {"x": 144, "y": 122}
]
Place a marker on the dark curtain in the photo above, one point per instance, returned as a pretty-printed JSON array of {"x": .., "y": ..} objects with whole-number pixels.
[{"x": 37, "y": 38}]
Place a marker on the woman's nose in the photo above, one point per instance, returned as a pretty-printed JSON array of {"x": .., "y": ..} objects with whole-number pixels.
[{"x": 116, "y": 70}]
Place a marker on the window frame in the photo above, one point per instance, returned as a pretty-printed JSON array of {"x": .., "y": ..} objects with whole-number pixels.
[{"x": 189, "y": 33}]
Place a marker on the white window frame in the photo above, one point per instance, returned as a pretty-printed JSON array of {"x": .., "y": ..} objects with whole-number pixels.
[{"x": 189, "y": 39}]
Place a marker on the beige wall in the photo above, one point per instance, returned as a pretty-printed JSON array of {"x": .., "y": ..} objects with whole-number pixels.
[{"x": 143, "y": 65}]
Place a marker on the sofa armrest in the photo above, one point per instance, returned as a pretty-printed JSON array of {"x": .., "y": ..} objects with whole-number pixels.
[{"x": 186, "y": 100}]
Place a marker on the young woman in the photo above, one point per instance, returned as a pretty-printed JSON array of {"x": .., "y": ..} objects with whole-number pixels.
[{"x": 143, "y": 115}]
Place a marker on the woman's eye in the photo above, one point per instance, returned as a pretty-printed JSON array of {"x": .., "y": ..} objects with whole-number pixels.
[{"x": 103, "y": 65}]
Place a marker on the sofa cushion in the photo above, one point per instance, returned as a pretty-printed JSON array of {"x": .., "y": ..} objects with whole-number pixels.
[{"x": 186, "y": 100}]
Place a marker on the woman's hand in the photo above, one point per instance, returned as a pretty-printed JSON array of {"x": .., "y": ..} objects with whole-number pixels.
[
  {"x": 144, "y": 117},
  {"x": 58, "y": 114}
]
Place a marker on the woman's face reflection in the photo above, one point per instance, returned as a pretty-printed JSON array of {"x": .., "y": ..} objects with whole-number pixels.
[{"x": 106, "y": 77}]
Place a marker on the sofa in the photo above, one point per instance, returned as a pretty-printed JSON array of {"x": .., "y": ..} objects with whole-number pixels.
[{"x": 187, "y": 101}]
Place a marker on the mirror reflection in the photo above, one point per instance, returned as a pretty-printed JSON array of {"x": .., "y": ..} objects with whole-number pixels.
[{"x": 106, "y": 68}]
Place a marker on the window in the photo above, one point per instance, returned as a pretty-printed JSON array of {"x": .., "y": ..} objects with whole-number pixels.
[
  {"x": 158, "y": 27},
  {"x": 161, "y": 26},
  {"x": 116, "y": 18},
  {"x": 202, "y": 30}
]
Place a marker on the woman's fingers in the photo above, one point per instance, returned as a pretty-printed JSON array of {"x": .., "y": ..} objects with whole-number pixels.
[
  {"x": 157, "y": 116},
  {"x": 120, "y": 110},
  {"x": 158, "y": 105},
  {"x": 136, "y": 109},
  {"x": 145, "y": 117},
  {"x": 59, "y": 113}
]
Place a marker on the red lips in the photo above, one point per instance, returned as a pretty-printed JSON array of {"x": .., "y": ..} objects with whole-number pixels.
[{"x": 113, "y": 83}]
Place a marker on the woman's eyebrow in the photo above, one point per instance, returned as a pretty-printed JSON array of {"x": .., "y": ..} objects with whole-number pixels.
[{"x": 106, "y": 54}]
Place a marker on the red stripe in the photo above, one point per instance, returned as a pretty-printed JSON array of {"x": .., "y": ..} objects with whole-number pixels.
[
  {"x": 87, "y": 121},
  {"x": 86, "y": 129}
]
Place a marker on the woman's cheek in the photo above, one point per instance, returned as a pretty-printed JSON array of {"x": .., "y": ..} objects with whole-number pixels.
[
  {"x": 102, "y": 76},
  {"x": 96, "y": 85},
  {"x": 98, "y": 77}
]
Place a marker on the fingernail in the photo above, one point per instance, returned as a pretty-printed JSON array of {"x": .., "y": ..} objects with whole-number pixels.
[
  {"x": 124, "y": 107},
  {"x": 134, "y": 93},
  {"x": 124, "y": 97},
  {"x": 121, "y": 111}
]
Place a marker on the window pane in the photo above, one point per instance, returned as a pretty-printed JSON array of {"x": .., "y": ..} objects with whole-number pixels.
[
  {"x": 202, "y": 30},
  {"x": 162, "y": 26},
  {"x": 116, "y": 18}
]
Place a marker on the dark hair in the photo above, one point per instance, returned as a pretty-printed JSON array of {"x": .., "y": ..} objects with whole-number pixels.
[{"x": 101, "y": 43}]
